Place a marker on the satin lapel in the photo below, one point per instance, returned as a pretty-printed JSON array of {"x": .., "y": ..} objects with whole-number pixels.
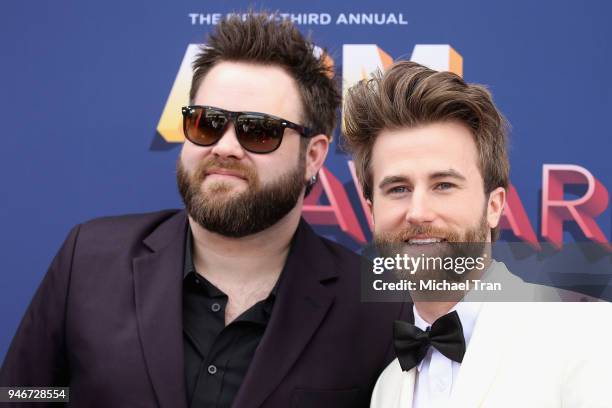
[
  {"x": 406, "y": 394},
  {"x": 394, "y": 388},
  {"x": 158, "y": 278},
  {"x": 302, "y": 303},
  {"x": 484, "y": 354}
]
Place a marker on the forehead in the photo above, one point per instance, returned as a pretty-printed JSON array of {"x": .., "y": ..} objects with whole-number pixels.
[
  {"x": 239, "y": 86},
  {"x": 417, "y": 152}
]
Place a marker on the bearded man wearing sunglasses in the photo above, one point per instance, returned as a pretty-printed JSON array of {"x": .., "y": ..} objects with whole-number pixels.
[{"x": 235, "y": 301}]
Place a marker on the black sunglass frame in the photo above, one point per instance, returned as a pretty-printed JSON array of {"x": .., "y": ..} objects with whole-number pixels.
[{"x": 232, "y": 116}]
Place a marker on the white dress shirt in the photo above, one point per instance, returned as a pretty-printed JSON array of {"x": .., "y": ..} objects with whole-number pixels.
[{"x": 436, "y": 374}]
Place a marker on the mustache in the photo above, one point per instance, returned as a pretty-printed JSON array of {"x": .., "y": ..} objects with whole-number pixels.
[
  {"x": 209, "y": 163},
  {"x": 412, "y": 230}
]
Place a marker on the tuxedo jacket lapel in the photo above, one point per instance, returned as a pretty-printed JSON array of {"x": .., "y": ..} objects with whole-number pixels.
[
  {"x": 482, "y": 360},
  {"x": 405, "y": 396},
  {"x": 489, "y": 339},
  {"x": 395, "y": 388},
  {"x": 302, "y": 303},
  {"x": 408, "y": 378},
  {"x": 158, "y": 277},
  {"x": 484, "y": 354}
]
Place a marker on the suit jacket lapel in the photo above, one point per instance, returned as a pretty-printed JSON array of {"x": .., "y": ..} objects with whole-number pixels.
[
  {"x": 406, "y": 393},
  {"x": 408, "y": 382},
  {"x": 158, "y": 278},
  {"x": 484, "y": 354},
  {"x": 302, "y": 303}
]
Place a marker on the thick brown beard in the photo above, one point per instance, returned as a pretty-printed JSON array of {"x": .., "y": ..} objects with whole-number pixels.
[
  {"x": 471, "y": 243},
  {"x": 245, "y": 213}
]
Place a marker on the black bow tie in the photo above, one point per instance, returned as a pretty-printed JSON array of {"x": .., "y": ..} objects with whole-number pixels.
[{"x": 411, "y": 343}]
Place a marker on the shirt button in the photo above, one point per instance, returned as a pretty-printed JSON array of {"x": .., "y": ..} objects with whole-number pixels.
[
  {"x": 212, "y": 370},
  {"x": 216, "y": 307},
  {"x": 197, "y": 281}
]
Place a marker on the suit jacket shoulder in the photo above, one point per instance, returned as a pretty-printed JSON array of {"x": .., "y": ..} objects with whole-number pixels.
[{"x": 120, "y": 232}]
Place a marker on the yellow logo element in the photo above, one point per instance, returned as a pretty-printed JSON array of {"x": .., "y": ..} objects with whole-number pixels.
[{"x": 170, "y": 125}]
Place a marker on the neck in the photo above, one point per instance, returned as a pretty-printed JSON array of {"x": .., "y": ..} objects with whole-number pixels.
[
  {"x": 247, "y": 259},
  {"x": 432, "y": 311}
]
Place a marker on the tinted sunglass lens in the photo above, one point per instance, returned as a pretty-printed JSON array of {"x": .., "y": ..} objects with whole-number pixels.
[
  {"x": 258, "y": 133},
  {"x": 204, "y": 126}
]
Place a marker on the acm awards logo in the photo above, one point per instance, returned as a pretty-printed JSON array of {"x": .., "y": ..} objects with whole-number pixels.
[{"x": 358, "y": 61}]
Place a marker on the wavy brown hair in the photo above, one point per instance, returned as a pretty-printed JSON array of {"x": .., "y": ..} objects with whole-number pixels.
[{"x": 409, "y": 95}]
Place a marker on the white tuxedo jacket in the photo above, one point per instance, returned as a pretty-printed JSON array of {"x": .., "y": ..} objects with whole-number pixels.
[{"x": 524, "y": 355}]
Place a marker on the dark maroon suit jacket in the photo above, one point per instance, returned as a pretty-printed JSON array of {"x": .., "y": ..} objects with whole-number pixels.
[{"x": 107, "y": 322}]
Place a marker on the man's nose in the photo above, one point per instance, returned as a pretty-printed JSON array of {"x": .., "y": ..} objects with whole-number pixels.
[
  {"x": 419, "y": 209},
  {"x": 228, "y": 145}
]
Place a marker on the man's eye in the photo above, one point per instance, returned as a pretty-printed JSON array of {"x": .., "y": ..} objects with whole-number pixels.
[
  {"x": 398, "y": 190},
  {"x": 444, "y": 186}
]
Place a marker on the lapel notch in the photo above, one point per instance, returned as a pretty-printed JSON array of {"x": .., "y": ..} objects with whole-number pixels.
[
  {"x": 302, "y": 304},
  {"x": 484, "y": 354},
  {"x": 158, "y": 278}
]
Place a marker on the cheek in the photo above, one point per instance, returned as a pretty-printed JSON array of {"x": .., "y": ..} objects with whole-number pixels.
[
  {"x": 387, "y": 216},
  {"x": 270, "y": 167},
  {"x": 191, "y": 155},
  {"x": 464, "y": 213}
]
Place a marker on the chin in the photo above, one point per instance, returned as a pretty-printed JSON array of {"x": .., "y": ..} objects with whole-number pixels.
[{"x": 222, "y": 188}]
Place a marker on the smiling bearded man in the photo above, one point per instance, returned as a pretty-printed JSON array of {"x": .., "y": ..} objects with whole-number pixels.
[{"x": 431, "y": 158}]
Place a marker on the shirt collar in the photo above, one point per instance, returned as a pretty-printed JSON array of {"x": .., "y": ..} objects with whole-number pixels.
[
  {"x": 189, "y": 266},
  {"x": 468, "y": 314}
]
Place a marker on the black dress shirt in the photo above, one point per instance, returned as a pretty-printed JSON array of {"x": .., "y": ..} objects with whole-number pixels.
[
  {"x": 216, "y": 356},
  {"x": 107, "y": 320}
]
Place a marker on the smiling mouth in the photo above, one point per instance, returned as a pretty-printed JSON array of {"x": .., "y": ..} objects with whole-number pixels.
[{"x": 424, "y": 241}]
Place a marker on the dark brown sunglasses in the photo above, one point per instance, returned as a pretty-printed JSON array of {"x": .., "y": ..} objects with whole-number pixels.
[{"x": 256, "y": 132}]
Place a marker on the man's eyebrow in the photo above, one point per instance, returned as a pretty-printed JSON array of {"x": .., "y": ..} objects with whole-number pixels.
[
  {"x": 450, "y": 173},
  {"x": 392, "y": 180}
]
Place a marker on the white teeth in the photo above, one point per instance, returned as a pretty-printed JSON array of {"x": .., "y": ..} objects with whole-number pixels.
[{"x": 422, "y": 241}]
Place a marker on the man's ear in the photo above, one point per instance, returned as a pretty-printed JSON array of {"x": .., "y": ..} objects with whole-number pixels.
[
  {"x": 495, "y": 206},
  {"x": 316, "y": 152},
  {"x": 369, "y": 203}
]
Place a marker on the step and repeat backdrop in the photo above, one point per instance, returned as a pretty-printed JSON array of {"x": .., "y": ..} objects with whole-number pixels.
[{"x": 91, "y": 97}]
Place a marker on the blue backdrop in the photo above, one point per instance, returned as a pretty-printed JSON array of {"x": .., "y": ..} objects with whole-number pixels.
[{"x": 84, "y": 84}]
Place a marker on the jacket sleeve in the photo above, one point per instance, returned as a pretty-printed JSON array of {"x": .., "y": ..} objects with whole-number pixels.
[{"x": 37, "y": 354}]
